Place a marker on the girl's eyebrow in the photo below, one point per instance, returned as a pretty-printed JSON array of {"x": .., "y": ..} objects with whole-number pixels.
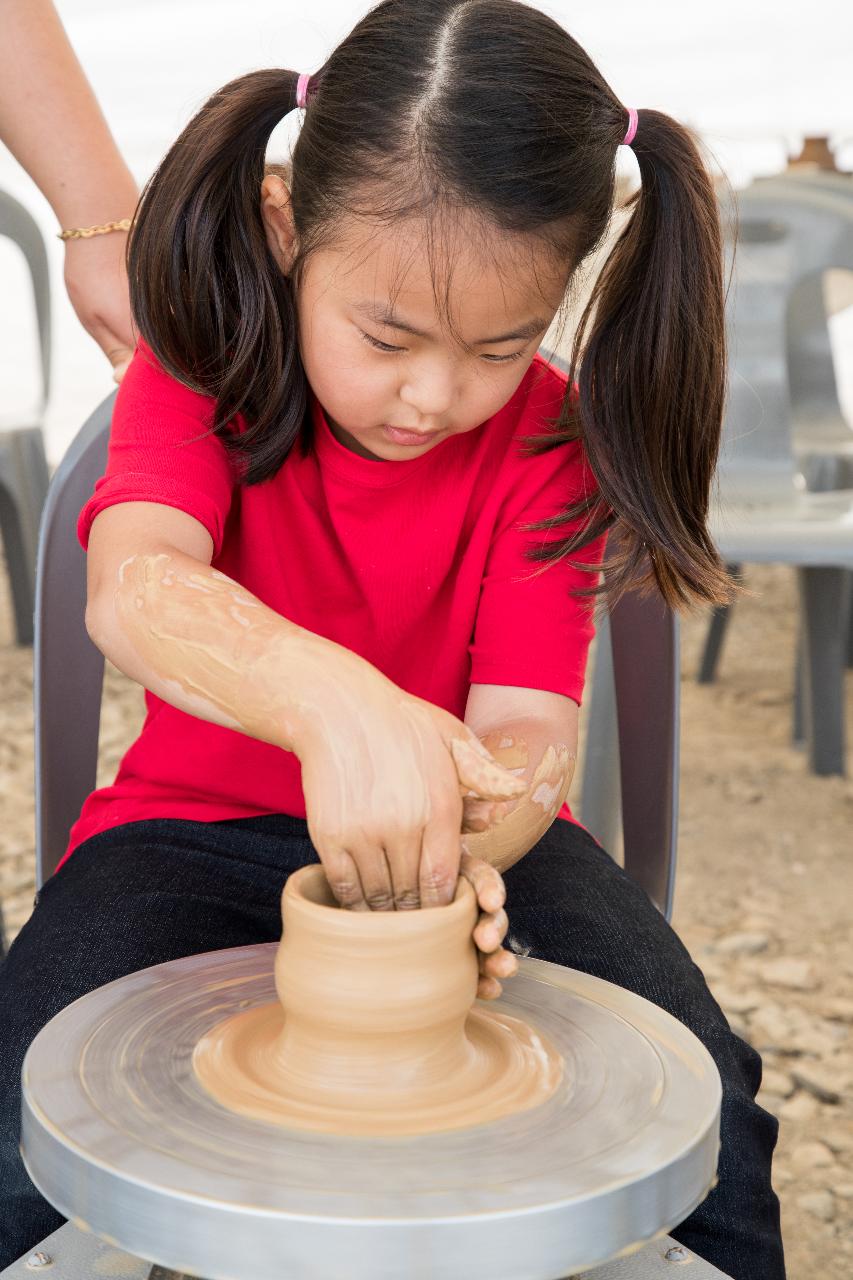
[{"x": 387, "y": 316}]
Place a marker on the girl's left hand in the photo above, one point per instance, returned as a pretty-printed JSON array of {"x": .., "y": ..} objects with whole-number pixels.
[{"x": 495, "y": 961}]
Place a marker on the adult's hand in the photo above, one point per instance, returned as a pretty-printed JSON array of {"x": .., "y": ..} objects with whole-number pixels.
[{"x": 96, "y": 280}]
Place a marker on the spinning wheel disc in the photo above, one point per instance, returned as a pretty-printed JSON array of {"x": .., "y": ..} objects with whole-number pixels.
[{"x": 120, "y": 1136}]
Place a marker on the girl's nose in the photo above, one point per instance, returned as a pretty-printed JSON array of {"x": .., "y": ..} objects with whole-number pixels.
[{"x": 429, "y": 390}]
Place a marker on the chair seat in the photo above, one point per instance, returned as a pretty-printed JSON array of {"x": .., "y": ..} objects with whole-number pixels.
[{"x": 796, "y": 529}]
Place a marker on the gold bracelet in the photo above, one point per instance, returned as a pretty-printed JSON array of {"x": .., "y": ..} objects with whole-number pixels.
[{"x": 83, "y": 233}]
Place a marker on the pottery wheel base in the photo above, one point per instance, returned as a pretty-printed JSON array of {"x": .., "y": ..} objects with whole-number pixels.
[
  {"x": 120, "y": 1136},
  {"x": 77, "y": 1255},
  {"x": 508, "y": 1068}
]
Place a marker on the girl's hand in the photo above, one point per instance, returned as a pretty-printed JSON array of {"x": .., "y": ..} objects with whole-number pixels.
[
  {"x": 96, "y": 280},
  {"x": 495, "y": 961},
  {"x": 383, "y": 773}
]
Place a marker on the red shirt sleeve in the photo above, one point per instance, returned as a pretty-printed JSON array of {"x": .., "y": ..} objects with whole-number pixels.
[
  {"x": 161, "y": 450},
  {"x": 531, "y": 631}
]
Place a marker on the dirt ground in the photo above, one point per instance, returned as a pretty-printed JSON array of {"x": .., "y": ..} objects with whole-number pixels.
[{"x": 763, "y": 890}]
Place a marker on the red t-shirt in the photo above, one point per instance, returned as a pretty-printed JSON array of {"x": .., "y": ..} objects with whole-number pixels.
[{"x": 417, "y": 565}]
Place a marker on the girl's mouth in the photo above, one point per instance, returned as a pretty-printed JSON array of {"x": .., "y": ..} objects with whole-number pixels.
[{"x": 398, "y": 436}]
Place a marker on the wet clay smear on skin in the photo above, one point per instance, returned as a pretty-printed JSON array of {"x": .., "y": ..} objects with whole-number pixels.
[{"x": 375, "y": 1033}]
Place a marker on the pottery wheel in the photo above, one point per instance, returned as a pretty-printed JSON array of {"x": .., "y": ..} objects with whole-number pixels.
[{"x": 118, "y": 1134}]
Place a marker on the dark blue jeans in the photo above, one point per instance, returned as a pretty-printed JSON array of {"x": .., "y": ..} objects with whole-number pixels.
[{"x": 152, "y": 891}]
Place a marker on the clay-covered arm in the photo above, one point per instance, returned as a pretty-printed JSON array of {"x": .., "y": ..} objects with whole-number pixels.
[
  {"x": 533, "y": 734},
  {"x": 383, "y": 772},
  {"x": 203, "y": 643}
]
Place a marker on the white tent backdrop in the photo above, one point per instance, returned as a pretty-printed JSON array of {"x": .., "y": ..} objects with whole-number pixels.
[{"x": 753, "y": 77}]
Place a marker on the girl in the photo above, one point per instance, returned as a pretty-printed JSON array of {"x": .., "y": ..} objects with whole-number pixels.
[{"x": 351, "y": 525}]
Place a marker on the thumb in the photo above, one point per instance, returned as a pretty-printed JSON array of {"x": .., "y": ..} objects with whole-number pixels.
[
  {"x": 479, "y": 771},
  {"x": 119, "y": 356}
]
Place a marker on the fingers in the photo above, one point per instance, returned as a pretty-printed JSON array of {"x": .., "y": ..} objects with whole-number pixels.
[
  {"x": 480, "y": 815},
  {"x": 404, "y": 856},
  {"x": 374, "y": 873},
  {"x": 488, "y": 989},
  {"x": 368, "y": 878},
  {"x": 344, "y": 880},
  {"x": 502, "y": 964},
  {"x": 490, "y": 930},
  {"x": 480, "y": 772},
  {"x": 495, "y": 962},
  {"x": 440, "y": 853},
  {"x": 118, "y": 354},
  {"x": 485, "y": 879},
  {"x": 494, "y": 967}
]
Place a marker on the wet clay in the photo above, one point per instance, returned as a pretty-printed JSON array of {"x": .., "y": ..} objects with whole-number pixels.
[
  {"x": 375, "y": 1033},
  {"x": 501, "y": 832}
]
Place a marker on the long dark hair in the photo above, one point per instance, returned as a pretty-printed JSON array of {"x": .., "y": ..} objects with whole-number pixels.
[{"x": 487, "y": 106}]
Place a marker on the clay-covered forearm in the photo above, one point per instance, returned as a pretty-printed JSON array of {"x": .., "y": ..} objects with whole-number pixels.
[
  {"x": 200, "y": 641},
  {"x": 510, "y": 828},
  {"x": 51, "y": 121}
]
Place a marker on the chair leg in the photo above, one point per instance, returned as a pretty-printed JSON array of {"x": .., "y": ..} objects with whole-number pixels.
[
  {"x": 21, "y": 579},
  {"x": 798, "y": 720},
  {"x": 850, "y": 620},
  {"x": 23, "y": 490},
  {"x": 824, "y": 603},
  {"x": 716, "y": 632}
]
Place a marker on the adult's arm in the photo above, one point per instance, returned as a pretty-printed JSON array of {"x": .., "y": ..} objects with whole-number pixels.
[{"x": 51, "y": 122}]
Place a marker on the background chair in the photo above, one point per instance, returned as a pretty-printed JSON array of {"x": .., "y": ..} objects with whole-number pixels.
[
  {"x": 23, "y": 465},
  {"x": 822, "y": 439},
  {"x": 786, "y": 237},
  {"x": 643, "y": 696}
]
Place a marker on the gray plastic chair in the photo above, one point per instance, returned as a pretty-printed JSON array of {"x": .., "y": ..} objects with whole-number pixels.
[
  {"x": 822, "y": 440},
  {"x": 763, "y": 513},
  {"x": 23, "y": 464},
  {"x": 67, "y": 710},
  {"x": 68, "y": 671}
]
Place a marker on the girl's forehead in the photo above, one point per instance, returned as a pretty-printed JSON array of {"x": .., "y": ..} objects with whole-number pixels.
[{"x": 465, "y": 274}]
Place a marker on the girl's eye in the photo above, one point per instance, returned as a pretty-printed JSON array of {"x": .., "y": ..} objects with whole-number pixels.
[
  {"x": 515, "y": 355},
  {"x": 386, "y": 346},
  {"x": 379, "y": 346}
]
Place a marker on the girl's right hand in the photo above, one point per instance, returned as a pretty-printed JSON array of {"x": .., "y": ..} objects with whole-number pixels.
[{"x": 384, "y": 774}]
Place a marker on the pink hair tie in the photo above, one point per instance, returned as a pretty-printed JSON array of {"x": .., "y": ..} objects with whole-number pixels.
[
  {"x": 302, "y": 90},
  {"x": 632, "y": 127}
]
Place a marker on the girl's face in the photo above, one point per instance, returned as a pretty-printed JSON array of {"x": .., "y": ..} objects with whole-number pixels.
[{"x": 398, "y": 369}]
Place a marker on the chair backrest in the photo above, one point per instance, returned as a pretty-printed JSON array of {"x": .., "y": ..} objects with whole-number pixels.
[
  {"x": 68, "y": 669},
  {"x": 786, "y": 236},
  {"x": 630, "y": 778},
  {"x": 69, "y": 679},
  {"x": 823, "y": 439},
  {"x": 18, "y": 224}
]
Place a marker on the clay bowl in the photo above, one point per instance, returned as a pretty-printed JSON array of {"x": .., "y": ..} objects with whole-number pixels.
[{"x": 376, "y": 1032}]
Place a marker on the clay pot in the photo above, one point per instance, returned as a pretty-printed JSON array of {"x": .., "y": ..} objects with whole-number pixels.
[
  {"x": 375, "y": 1002},
  {"x": 375, "y": 1033}
]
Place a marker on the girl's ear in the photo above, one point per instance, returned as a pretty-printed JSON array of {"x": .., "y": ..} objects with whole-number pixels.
[{"x": 277, "y": 214}]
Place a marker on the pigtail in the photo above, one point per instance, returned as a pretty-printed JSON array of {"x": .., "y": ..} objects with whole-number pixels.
[
  {"x": 206, "y": 292},
  {"x": 649, "y": 357}
]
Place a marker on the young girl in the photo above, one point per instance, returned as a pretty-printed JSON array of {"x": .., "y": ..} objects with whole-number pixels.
[{"x": 351, "y": 523}]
